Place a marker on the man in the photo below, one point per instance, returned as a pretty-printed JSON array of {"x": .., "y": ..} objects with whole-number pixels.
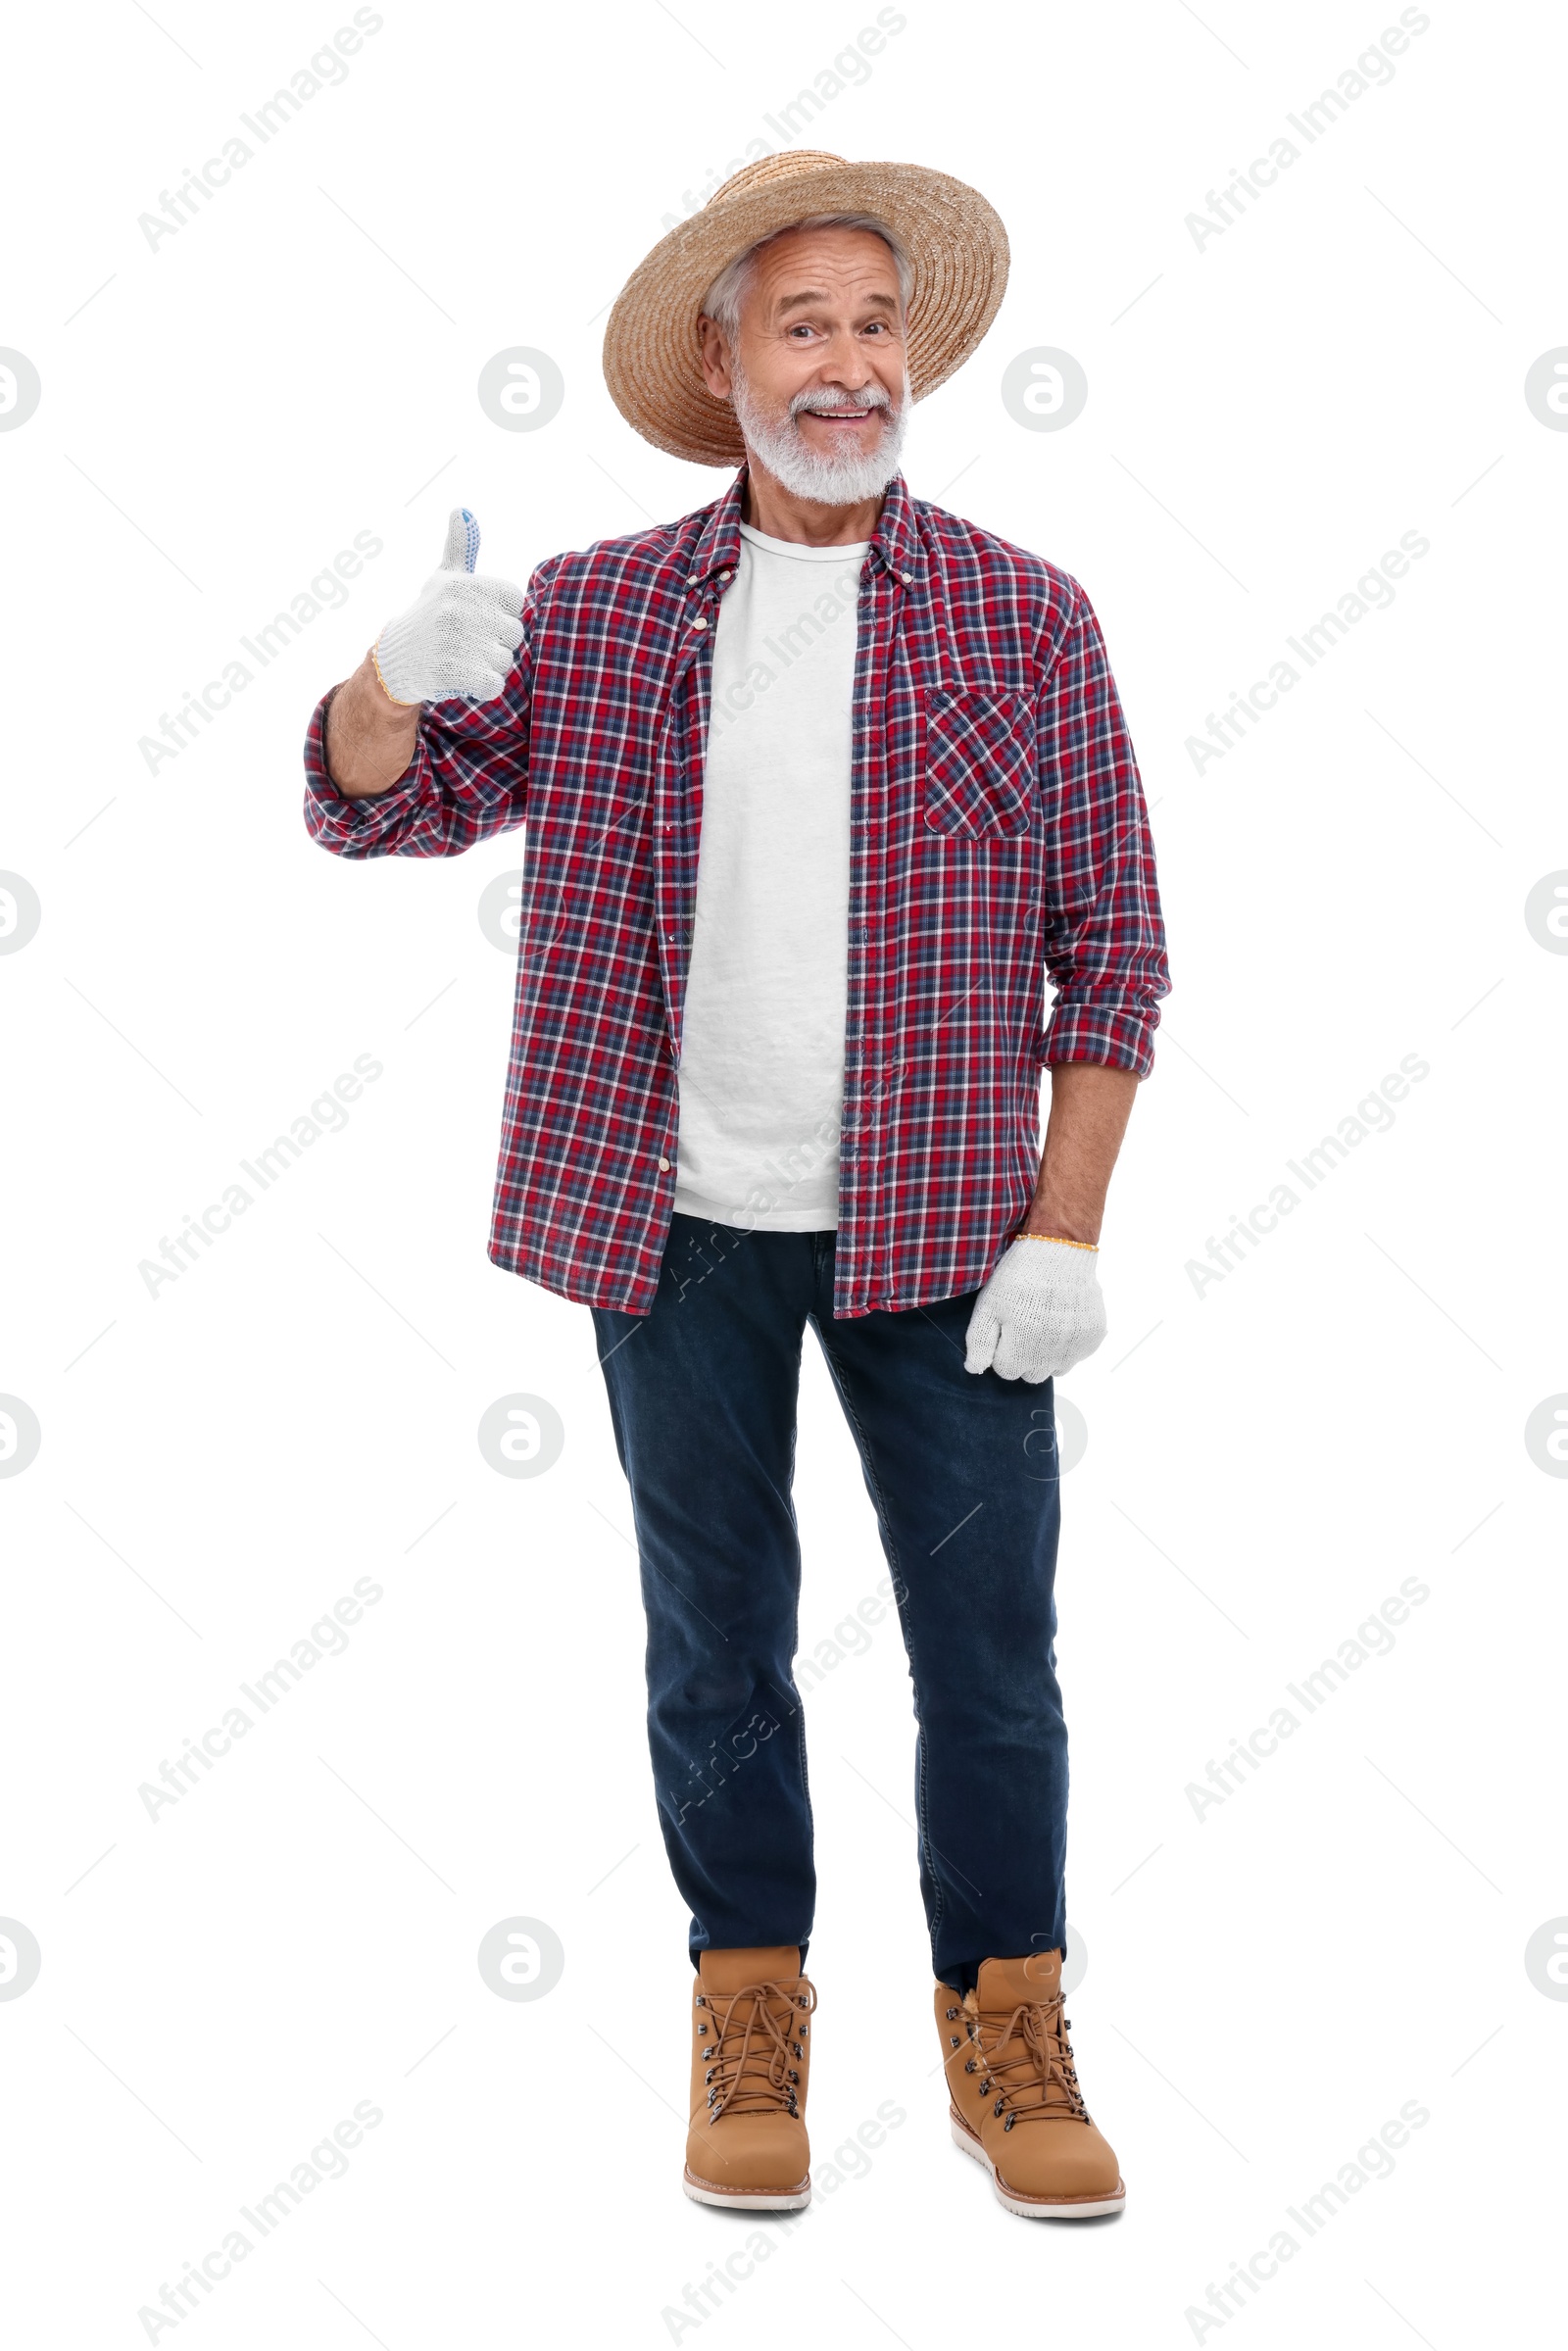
[{"x": 821, "y": 782}]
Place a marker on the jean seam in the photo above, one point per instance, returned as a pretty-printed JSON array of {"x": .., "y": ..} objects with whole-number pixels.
[
  {"x": 806, "y": 1777},
  {"x": 799, "y": 1703},
  {"x": 863, "y": 1445}
]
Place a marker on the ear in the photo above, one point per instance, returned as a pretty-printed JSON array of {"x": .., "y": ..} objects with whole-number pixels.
[{"x": 715, "y": 353}]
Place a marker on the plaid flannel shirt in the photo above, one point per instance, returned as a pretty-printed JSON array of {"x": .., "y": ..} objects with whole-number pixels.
[{"x": 998, "y": 835}]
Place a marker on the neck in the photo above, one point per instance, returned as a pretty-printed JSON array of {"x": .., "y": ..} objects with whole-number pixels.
[{"x": 769, "y": 507}]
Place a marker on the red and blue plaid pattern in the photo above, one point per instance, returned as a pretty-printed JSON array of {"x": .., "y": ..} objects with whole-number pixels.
[{"x": 999, "y": 834}]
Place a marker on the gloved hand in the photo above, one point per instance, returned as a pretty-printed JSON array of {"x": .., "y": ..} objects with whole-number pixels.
[
  {"x": 457, "y": 637},
  {"x": 1041, "y": 1311}
]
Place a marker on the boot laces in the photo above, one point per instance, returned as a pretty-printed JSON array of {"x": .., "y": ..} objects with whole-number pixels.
[
  {"x": 759, "y": 2040},
  {"x": 1027, "y": 2063}
]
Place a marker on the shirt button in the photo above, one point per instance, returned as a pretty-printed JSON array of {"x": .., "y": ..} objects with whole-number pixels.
[
  {"x": 724, "y": 575},
  {"x": 664, "y": 1166},
  {"x": 699, "y": 621},
  {"x": 905, "y": 576}
]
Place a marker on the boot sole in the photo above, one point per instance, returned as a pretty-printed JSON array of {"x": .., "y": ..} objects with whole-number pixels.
[
  {"x": 748, "y": 2199},
  {"x": 1033, "y": 2208}
]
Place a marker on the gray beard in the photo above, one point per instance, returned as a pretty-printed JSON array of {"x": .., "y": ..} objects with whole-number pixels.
[{"x": 828, "y": 477}]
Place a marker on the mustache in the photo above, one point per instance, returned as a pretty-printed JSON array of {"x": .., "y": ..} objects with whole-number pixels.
[{"x": 827, "y": 403}]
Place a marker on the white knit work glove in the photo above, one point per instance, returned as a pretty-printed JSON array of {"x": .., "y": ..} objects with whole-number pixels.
[
  {"x": 1041, "y": 1312},
  {"x": 457, "y": 639}
]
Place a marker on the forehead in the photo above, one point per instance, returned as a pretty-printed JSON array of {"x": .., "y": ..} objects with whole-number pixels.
[{"x": 841, "y": 264}]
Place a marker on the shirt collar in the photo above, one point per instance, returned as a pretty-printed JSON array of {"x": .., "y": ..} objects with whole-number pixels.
[
  {"x": 895, "y": 543},
  {"x": 718, "y": 542}
]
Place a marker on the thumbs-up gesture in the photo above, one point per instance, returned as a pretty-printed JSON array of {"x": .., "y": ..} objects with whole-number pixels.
[{"x": 457, "y": 639}]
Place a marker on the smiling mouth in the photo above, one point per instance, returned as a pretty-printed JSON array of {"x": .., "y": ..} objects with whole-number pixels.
[{"x": 839, "y": 415}]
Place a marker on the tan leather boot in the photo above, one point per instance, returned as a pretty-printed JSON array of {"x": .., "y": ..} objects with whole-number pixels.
[
  {"x": 1015, "y": 2102},
  {"x": 751, "y": 2055}
]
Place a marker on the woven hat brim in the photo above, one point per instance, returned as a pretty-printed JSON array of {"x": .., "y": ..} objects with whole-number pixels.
[{"x": 955, "y": 242}]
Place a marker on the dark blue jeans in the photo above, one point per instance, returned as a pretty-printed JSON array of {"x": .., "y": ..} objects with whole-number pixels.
[{"x": 961, "y": 1471}]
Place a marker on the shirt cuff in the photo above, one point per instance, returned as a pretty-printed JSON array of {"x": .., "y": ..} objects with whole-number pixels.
[
  {"x": 330, "y": 814},
  {"x": 1115, "y": 1030}
]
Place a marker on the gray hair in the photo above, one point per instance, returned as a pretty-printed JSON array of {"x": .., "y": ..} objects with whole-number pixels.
[{"x": 722, "y": 300}]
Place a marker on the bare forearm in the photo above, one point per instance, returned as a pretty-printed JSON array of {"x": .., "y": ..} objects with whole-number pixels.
[
  {"x": 1090, "y": 1106},
  {"x": 371, "y": 739}
]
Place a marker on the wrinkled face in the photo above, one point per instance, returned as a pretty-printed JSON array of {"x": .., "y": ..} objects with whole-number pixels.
[{"x": 819, "y": 371}]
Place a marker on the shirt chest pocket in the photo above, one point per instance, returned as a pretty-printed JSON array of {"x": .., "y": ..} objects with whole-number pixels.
[{"x": 979, "y": 765}]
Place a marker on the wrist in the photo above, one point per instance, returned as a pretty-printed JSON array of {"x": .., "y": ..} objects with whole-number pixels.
[
  {"x": 375, "y": 712},
  {"x": 1045, "y": 1224},
  {"x": 393, "y": 702},
  {"x": 369, "y": 741}
]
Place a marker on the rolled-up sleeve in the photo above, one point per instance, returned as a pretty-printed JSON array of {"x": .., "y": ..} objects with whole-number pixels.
[
  {"x": 468, "y": 777},
  {"x": 1105, "y": 939}
]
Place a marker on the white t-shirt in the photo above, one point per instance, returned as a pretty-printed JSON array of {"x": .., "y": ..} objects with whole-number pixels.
[{"x": 762, "y": 1069}]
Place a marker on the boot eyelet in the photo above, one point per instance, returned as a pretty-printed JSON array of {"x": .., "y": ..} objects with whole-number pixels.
[
  {"x": 1008, "y": 2125},
  {"x": 952, "y": 2013},
  {"x": 969, "y": 2064}
]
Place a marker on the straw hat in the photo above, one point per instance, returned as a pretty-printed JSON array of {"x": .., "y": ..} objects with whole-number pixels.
[{"x": 955, "y": 240}]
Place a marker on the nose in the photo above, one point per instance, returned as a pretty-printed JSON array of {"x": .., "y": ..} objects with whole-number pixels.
[
  {"x": 851, "y": 381},
  {"x": 845, "y": 363}
]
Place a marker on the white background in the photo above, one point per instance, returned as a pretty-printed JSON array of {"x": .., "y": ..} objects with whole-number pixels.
[{"x": 1265, "y": 1985}]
